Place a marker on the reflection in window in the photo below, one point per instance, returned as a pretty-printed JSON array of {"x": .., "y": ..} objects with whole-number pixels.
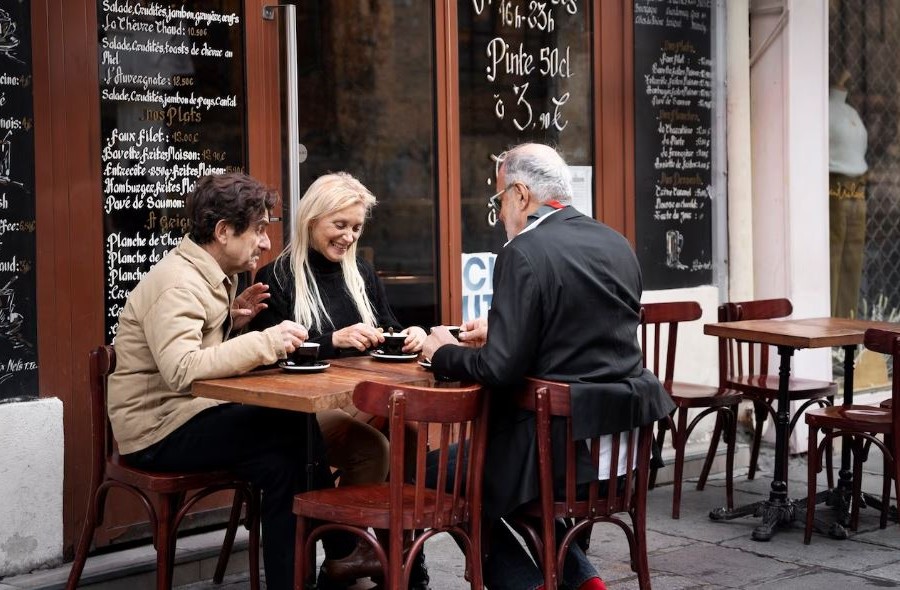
[{"x": 367, "y": 106}]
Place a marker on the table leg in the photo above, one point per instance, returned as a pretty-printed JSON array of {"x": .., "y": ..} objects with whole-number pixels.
[{"x": 778, "y": 509}]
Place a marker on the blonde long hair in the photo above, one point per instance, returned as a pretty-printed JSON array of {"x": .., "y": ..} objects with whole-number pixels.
[{"x": 329, "y": 193}]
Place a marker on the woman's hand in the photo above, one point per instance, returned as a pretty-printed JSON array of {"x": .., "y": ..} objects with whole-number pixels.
[
  {"x": 358, "y": 336},
  {"x": 414, "y": 339}
]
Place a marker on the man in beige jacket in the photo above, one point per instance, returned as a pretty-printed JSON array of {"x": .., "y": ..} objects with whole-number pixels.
[{"x": 182, "y": 323}]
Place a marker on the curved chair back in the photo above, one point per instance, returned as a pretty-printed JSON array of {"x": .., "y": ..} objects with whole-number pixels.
[{"x": 662, "y": 356}]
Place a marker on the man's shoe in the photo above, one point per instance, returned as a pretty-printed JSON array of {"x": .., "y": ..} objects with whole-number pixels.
[
  {"x": 361, "y": 563},
  {"x": 418, "y": 575}
]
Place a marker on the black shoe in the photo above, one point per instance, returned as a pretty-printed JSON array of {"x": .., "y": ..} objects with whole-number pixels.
[
  {"x": 323, "y": 582},
  {"x": 418, "y": 575}
]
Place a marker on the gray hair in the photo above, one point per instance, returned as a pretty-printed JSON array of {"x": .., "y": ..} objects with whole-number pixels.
[{"x": 544, "y": 172}]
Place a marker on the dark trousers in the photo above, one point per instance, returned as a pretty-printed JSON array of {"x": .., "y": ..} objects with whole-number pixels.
[{"x": 264, "y": 446}]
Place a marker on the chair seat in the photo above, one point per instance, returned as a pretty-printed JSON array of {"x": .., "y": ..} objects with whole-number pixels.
[
  {"x": 692, "y": 395},
  {"x": 765, "y": 387},
  {"x": 369, "y": 506},
  {"x": 165, "y": 482},
  {"x": 861, "y": 418}
]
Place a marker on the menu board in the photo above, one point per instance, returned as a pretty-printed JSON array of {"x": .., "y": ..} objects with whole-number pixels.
[
  {"x": 18, "y": 301},
  {"x": 171, "y": 110},
  {"x": 525, "y": 75},
  {"x": 673, "y": 152}
]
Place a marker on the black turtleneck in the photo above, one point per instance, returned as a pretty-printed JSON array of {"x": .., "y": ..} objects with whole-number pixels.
[{"x": 330, "y": 279}]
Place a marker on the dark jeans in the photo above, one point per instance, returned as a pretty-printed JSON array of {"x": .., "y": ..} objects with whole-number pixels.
[
  {"x": 508, "y": 564},
  {"x": 264, "y": 446}
]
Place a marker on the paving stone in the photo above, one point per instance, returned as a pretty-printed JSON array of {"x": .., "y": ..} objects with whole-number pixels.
[
  {"x": 816, "y": 580},
  {"x": 722, "y": 566}
]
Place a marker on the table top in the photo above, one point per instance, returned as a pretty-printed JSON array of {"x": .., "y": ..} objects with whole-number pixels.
[
  {"x": 802, "y": 333},
  {"x": 305, "y": 392},
  {"x": 367, "y": 363}
]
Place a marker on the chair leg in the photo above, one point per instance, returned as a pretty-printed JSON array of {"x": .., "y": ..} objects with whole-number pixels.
[
  {"x": 811, "y": 471},
  {"x": 710, "y": 453},
  {"x": 731, "y": 424},
  {"x": 230, "y": 532},
  {"x": 858, "y": 451},
  {"x": 679, "y": 441},
  {"x": 165, "y": 540},
  {"x": 253, "y": 517},
  {"x": 302, "y": 566},
  {"x": 761, "y": 413},
  {"x": 887, "y": 470},
  {"x": 661, "y": 427},
  {"x": 84, "y": 542}
]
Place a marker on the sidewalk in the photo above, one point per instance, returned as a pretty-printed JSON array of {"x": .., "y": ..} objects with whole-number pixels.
[{"x": 690, "y": 553}]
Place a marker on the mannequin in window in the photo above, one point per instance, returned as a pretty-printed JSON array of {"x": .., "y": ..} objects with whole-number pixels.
[{"x": 847, "y": 142}]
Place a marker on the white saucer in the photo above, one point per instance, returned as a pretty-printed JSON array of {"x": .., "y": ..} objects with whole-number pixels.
[
  {"x": 303, "y": 368},
  {"x": 424, "y": 364},
  {"x": 380, "y": 356}
]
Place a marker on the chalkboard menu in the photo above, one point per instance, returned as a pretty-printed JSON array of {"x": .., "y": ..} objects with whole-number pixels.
[
  {"x": 673, "y": 152},
  {"x": 171, "y": 110},
  {"x": 524, "y": 75},
  {"x": 18, "y": 301}
]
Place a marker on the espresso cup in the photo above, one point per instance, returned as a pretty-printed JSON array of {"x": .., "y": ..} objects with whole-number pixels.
[
  {"x": 306, "y": 354},
  {"x": 393, "y": 343}
]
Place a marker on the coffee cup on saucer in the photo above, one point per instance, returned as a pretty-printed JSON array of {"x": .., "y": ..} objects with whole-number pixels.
[
  {"x": 305, "y": 354},
  {"x": 393, "y": 343}
]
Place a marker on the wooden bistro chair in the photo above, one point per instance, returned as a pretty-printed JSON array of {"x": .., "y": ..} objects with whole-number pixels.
[
  {"x": 859, "y": 426},
  {"x": 460, "y": 416},
  {"x": 169, "y": 490},
  {"x": 658, "y": 319},
  {"x": 600, "y": 503},
  {"x": 744, "y": 366}
]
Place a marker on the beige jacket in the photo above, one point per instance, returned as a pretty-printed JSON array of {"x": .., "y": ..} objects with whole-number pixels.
[{"x": 171, "y": 333}]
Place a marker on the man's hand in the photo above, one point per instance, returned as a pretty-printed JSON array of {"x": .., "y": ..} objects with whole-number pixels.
[
  {"x": 439, "y": 336},
  {"x": 359, "y": 336},
  {"x": 414, "y": 339},
  {"x": 292, "y": 334},
  {"x": 474, "y": 332},
  {"x": 250, "y": 302}
]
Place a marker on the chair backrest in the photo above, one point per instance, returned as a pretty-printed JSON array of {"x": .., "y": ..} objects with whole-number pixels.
[
  {"x": 658, "y": 319},
  {"x": 550, "y": 399},
  {"x": 888, "y": 342},
  {"x": 102, "y": 363},
  {"x": 736, "y": 358},
  {"x": 460, "y": 416}
]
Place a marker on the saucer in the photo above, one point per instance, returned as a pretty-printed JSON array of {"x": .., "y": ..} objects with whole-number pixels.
[
  {"x": 380, "y": 356},
  {"x": 314, "y": 368},
  {"x": 424, "y": 364}
]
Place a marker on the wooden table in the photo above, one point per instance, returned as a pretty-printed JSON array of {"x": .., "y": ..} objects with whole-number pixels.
[
  {"x": 308, "y": 392},
  {"x": 788, "y": 336}
]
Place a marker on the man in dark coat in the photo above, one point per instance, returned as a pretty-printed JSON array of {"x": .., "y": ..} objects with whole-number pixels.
[{"x": 566, "y": 307}]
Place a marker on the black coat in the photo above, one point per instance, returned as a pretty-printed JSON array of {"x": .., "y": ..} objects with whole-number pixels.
[{"x": 566, "y": 307}]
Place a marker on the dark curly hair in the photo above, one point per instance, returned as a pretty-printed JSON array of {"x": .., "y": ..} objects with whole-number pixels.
[{"x": 234, "y": 197}]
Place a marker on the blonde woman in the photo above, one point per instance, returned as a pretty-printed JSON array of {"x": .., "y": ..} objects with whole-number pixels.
[{"x": 319, "y": 282}]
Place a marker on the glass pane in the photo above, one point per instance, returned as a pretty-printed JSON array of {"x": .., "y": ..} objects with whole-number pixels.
[
  {"x": 864, "y": 169},
  {"x": 367, "y": 106},
  {"x": 524, "y": 75}
]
